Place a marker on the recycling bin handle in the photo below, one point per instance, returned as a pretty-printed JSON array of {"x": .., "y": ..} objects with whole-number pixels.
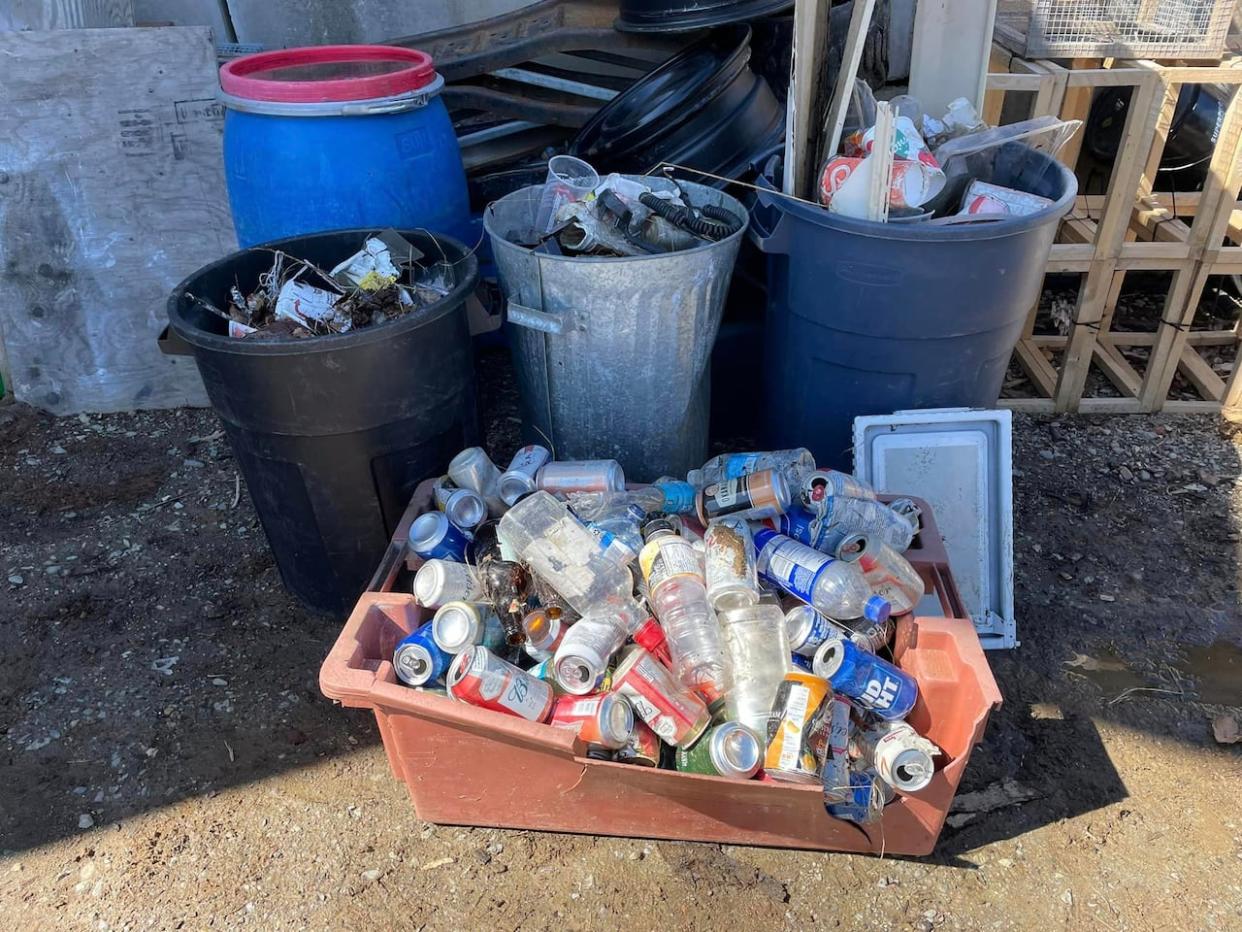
[
  {"x": 771, "y": 241},
  {"x": 171, "y": 344},
  {"x": 533, "y": 319}
]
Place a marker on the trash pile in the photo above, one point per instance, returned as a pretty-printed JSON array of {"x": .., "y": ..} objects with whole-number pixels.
[
  {"x": 737, "y": 623},
  {"x": 927, "y": 166},
  {"x": 386, "y": 279},
  {"x": 580, "y": 214}
]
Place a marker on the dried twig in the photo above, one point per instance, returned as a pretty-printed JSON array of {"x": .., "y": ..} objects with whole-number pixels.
[
  {"x": 236, "y": 490},
  {"x": 1126, "y": 694}
]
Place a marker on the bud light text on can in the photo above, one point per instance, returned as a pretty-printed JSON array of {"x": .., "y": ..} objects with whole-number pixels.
[
  {"x": 728, "y": 750},
  {"x": 876, "y": 685},
  {"x": 788, "y": 757},
  {"x": 480, "y": 678},
  {"x": 763, "y": 494},
  {"x": 418, "y": 659},
  {"x": 519, "y": 478},
  {"x": 434, "y": 537},
  {"x": 605, "y": 720},
  {"x": 674, "y": 713}
]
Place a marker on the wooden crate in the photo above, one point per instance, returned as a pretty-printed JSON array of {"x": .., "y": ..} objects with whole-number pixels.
[{"x": 1132, "y": 228}]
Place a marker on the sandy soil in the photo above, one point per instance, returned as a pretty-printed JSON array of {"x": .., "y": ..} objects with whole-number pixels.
[{"x": 167, "y": 761}]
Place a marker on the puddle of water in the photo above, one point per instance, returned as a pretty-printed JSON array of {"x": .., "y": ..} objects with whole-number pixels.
[
  {"x": 1218, "y": 669},
  {"x": 1109, "y": 672}
]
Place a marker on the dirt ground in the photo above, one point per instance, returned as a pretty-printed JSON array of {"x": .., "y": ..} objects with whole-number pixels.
[{"x": 168, "y": 762}]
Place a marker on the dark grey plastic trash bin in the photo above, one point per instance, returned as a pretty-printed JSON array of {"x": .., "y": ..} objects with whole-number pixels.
[{"x": 870, "y": 318}]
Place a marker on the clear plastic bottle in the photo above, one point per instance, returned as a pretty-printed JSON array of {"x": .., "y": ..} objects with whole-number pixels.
[
  {"x": 596, "y": 506},
  {"x": 588, "y": 647},
  {"x": 874, "y": 520},
  {"x": 891, "y": 577},
  {"x": 614, "y": 518},
  {"x": 555, "y": 545},
  {"x": 729, "y": 560},
  {"x": 794, "y": 465},
  {"x": 678, "y": 595},
  {"x": 834, "y": 587},
  {"x": 757, "y": 654}
]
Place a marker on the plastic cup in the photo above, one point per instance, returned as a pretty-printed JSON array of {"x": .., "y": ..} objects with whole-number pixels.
[{"x": 569, "y": 179}]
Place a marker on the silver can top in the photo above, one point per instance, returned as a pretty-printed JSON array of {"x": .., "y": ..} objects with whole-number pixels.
[
  {"x": 515, "y": 484},
  {"x": 427, "y": 530},
  {"x": 456, "y": 627},
  {"x": 828, "y": 658},
  {"x": 465, "y": 508},
  {"x": 616, "y": 721},
  {"x": 414, "y": 664},
  {"x": 799, "y": 621},
  {"x": 735, "y": 750}
]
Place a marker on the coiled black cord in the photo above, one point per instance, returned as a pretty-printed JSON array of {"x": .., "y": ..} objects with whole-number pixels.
[{"x": 710, "y": 221}]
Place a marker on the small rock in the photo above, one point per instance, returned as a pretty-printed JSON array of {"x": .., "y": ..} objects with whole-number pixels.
[
  {"x": 217, "y": 681},
  {"x": 1144, "y": 475},
  {"x": 372, "y": 875},
  {"x": 1105, "y": 597},
  {"x": 1067, "y": 898},
  {"x": 1047, "y": 455},
  {"x": 52, "y": 570},
  {"x": 17, "y": 866},
  {"x": 1208, "y": 478},
  {"x": 1005, "y": 862},
  {"x": 194, "y": 464},
  {"x": 87, "y": 871},
  {"x": 1125, "y": 473},
  {"x": 1066, "y": 576},
  {"x": 85, "y": 820},
  {"x": 16, "y": 580},
  {"x": 439, "y": 862},
  {"x": 58, "y": 450},
  {"x": 1075, "y": 557}
]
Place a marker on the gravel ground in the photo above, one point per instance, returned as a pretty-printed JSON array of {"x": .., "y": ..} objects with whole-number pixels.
[{"x": 169, "y": 763}]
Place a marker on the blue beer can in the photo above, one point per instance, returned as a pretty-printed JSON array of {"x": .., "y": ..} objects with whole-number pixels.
[
  {"x": 418, "y": 659},
  {"x": 434, "y": 537},
  {"x": 865, "y": 802},
  {"x": 878, "y": 686}
]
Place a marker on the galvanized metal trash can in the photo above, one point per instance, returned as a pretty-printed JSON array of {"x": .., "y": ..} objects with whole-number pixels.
[{"x": 613, "y": 355}]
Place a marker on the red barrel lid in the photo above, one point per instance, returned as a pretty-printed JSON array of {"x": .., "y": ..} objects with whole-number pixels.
[{"x": 323, "y": 73}]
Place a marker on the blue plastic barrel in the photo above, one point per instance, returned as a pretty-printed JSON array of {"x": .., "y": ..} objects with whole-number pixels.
[
  {"x": 871, "y": 318},
  {"x": 336, "y": 137}
]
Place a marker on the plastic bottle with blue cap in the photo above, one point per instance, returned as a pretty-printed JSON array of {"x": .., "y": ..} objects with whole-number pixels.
[{"x": 834, "y": 587}]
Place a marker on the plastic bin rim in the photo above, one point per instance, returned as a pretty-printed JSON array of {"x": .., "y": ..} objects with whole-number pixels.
[
  {"x": 294, "y": 346},
  {"x": 687, "y": 18},
  {"x": 238, "y": 77},
  {"x": 731, "y": 203},
  {"x": 371, "y": 106},
  {"x": 907, "y": 232}
]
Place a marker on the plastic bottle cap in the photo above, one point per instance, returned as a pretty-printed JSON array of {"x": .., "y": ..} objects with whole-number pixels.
[{"x": 877, "y": 609}]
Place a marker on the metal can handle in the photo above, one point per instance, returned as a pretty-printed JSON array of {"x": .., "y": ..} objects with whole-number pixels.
[{"x": 533, "y": 319}]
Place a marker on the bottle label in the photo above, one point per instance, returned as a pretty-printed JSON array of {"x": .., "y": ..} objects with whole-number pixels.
[
  {"x": 678, "y": 497},
  {"x": 741, "y": 464},
  {"x": 791, "y": 727},
  {"x": 666, "y": 557},
  {"x": 792, "y": 566}
]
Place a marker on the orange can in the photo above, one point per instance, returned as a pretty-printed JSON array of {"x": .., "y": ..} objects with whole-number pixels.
[{"x": 790, "y": 756}]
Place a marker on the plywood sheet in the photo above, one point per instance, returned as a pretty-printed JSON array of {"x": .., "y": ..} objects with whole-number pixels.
[{"x": 111, "y": 191}]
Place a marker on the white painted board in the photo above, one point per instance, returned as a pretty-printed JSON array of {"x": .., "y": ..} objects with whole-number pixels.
[
  {"x": 111, "y": 192},
  {"x": 952, "y": 46},
  {"x": 961, "y": 462}
]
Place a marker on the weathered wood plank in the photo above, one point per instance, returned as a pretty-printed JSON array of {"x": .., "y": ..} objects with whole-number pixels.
[
  {"x": 113, "y": 191},
  {"x": 65, "y": 14}
]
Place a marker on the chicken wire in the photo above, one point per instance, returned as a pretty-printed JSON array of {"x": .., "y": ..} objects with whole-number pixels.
[{"x": 1161, "y": 29}]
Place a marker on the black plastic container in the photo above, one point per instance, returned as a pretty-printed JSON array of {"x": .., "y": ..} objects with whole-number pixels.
[
  {"x": 332, "y": 434},
  {"x": 685, "y": 15}
]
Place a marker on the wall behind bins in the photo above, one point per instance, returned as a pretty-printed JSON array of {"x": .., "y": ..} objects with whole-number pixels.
[{"x": 111, "y": 191}]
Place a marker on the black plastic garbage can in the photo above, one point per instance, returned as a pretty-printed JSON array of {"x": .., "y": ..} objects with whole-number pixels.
[
  {"x": 333, "y": 433},
  {"x": 871, "y": 318}
]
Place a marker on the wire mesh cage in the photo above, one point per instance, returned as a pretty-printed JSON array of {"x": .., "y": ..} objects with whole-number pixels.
[{"x": 1159, "y": 29}]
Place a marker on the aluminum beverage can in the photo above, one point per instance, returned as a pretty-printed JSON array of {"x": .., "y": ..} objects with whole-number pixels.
[
  {"x": 546, "y": 670},
  {"x": 835, "y": 771},
  {"x": 899, "y": 754},
  {"x": 808, "y": 528},
  {"x": 763, "y": 494},
  {"x": 480, "y": 678},
  {"x": 875, "y": 684},
  {"x": 728, "y": 750},
  {"x": 457, "y": 626},
  {"x": 643, "y": 748},
  {"x": 581, "y": 476},
  {"x": 519, "y": 478},
  {"x": 434, "y": 537},
  {"x": 418, "y": 659},
  {"x": 464, "y": 508},
  {"x": 871, "y": 636},
  {"x": 674, "y": 713},
  {"x": 605, "y": 720},
  {"x": 473, "y": 469},
  {"x": 788, "y": 756},
  {"x": 441, "y": 581},
  {"x": 868, "y": 794},
  {"x": 808, "y": 628},
  {"x": 826, "y": 483}
]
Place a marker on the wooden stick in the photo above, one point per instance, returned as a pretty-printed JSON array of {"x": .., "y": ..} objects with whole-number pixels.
[
  {"x": 805, "y": 108},
  {"x": 851, "y": 58},
  {"x": 881, "y": 163}
]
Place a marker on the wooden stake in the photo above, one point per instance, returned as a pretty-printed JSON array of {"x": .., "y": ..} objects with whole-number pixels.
[
  {"x": 881, "y": 163},
  {"x": 806, "y": 105},
  {"x": 851, "y": 58}
]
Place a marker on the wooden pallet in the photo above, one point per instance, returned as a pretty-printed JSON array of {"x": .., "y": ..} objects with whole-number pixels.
[{"x": 1131, "y": 228}]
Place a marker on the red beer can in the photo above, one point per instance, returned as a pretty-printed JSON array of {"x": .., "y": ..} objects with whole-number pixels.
[
  {"x": 480, "y": 678},
  {"x": 604, "y": 719},
  {"x": 643, "y": 748},
  {"x": 674, "y": 713}
]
